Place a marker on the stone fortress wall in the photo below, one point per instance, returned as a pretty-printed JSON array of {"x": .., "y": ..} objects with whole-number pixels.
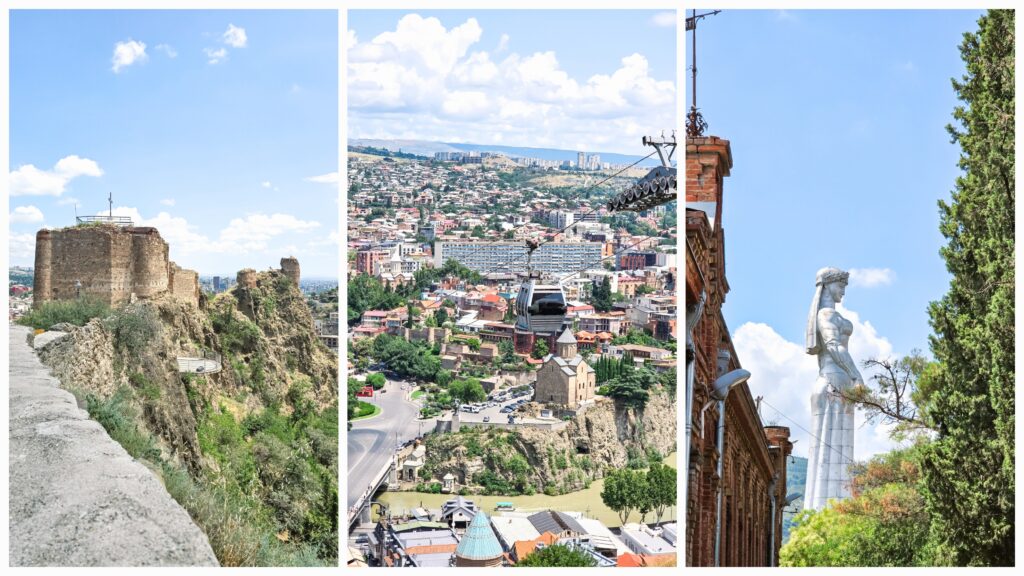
[{"x": 108, "y": 263}]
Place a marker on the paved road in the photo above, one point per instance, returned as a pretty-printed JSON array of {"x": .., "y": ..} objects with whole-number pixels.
[
  {"x": 76, "y": 497},
  {"x": 372, "y": 442}
]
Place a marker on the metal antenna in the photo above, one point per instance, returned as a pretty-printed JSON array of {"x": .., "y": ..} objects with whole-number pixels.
[
  {"x": 110, "y": 202},
  {"x": 695, "y": 124}
]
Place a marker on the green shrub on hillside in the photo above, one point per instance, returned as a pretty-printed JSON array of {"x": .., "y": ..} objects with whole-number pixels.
[{"x": 77, "y": 312}]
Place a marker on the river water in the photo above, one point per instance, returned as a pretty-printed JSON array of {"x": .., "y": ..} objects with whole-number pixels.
[{"x": 587, "y": 501}]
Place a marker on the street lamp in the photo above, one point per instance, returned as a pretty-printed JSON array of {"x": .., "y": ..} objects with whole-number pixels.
[{"x": 720, "y": 391}]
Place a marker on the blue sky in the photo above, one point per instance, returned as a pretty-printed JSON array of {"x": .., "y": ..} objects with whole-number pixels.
[
  {"x": 837, "y": 126},
  {"x": 218, "y": 127},
  {"x": 593, "y": 80}
]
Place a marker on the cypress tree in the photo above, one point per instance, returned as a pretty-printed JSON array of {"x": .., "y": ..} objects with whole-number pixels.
[{"x": 969, "y": 395}]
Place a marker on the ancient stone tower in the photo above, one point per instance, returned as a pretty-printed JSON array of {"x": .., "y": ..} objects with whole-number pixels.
[
  {"x": 290, "y": 268},
  {"x": 247, "y": 278},
  {"x": 108, "y": 263}
]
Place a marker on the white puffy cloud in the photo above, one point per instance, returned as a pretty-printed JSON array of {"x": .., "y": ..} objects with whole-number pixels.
[
  {"x": 784, "y": 374},
  {"x": 215, "y": 55},
  {"x": 255, "y": 230},
  {"x": 402, "y": 81},
  {"x": 179, "y": 234},
  {"x": 871, "y": 277},
  {"x": 28, "y": 180},
  {"x": 253, "y": 233},
  {"x": 664, "y": 19},
  {"x": 26, "y": 214},
  {"x": 127, "y": 53},
  {"x": 22, "y": 248},
  {"x": 168, "y": 201},
  {"x": 235, "y": 37},
  {"x": 329, "y": 178}
]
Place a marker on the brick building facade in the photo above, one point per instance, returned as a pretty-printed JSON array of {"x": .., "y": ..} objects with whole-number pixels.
[{"x": 754, "y": 457}]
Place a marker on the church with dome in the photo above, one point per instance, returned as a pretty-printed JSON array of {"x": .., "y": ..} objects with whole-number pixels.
[{"x": 565, "y": 380}]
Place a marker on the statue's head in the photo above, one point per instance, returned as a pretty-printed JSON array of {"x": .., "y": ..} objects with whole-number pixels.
[{"x": 834, "y": 281}]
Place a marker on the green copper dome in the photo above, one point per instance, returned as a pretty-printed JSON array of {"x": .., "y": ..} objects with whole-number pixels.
[{"x": 479, "y": 542}]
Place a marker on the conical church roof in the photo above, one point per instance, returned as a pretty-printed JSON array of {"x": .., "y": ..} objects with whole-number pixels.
[
  {"x": 566, "y": 337},
  {"x": 479, "y": 542}
]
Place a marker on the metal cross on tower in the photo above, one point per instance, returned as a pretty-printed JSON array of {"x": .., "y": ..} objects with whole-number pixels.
[{"x": 695, "y": 124}]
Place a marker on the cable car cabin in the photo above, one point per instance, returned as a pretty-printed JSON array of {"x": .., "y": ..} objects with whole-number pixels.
[{"x": 540, "y": 308}]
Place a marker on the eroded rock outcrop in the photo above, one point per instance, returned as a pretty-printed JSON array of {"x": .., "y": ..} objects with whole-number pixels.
[{"x": 604, "y": 437}]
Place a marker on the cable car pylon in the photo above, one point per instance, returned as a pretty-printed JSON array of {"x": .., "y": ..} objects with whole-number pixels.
[{"x": 657, "y": 187}]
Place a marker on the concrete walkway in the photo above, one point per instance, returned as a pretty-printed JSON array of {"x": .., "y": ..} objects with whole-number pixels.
[{"x": 76, "y": 497}]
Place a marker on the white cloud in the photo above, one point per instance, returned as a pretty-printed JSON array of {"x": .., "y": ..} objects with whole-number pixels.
[
  {"x": 235, "y": 37},
  {"x": 22, "y": 248},
  {"x": 215, "y": 56},
  {"x": 168, "y": 201},
  {"x": 329, "y": 178},
  {"x": 253, "y": 233},
  {"x": 784, "y": 374},
  {"x": 127, "y": 53},
  {"x": 26, "y": 214},
  {"x": 871, "y": 277},
  {"x": 167, "y": 49},
  {"x": 28, "y": 180},
  {"x": 664, "y": 19},
  {"x": 402, "y": 81},
  {"x": 255, "y": 230},
  {"x": 265, "y": 184}
]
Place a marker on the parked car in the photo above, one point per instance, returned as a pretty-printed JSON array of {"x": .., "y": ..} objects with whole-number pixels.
[{"x": 487, "y": 418}]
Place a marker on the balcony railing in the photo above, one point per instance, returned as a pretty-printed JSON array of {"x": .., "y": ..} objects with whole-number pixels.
[{"x": 115, "y": 220}]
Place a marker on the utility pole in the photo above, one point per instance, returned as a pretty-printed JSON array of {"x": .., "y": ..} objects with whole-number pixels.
[{"x": 695, "y": 124}]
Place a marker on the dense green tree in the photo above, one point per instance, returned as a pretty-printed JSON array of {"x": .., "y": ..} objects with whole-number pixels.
[
  {"x": 558, "y": 556},
  {"x": 467, "y": 391},
  {"x": 623, "y": 491},
  {"x": 969, "y": 396},
  {"x": 377, "y": 380},
  {"x": 661, "y": 484},
  {"x": 441, "y": 316},
  {"x": 884, "y": 524},
  {"x": 601, "y": 295},
  {"x": 540, "y": 348},
  {"x": 507, "y": 350},
  {"x": 367, "y": 293}
]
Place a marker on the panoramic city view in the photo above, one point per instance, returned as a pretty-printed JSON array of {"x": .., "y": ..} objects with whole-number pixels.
[
  {"x": 850, "y": 288},
  {"x": 511, "y": 288},
  {"x": 173, "y": 288}
]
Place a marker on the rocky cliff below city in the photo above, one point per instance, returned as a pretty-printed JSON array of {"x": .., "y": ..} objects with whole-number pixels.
[{"x": 526, "y": 460}]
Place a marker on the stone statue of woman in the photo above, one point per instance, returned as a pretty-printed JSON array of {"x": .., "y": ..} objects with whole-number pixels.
[{"x": 828, "y": 336}]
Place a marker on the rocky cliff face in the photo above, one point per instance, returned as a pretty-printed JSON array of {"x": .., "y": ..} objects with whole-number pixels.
[
  {"x": 604, "y": 437},
  {"x": 264, "y": 335}
]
